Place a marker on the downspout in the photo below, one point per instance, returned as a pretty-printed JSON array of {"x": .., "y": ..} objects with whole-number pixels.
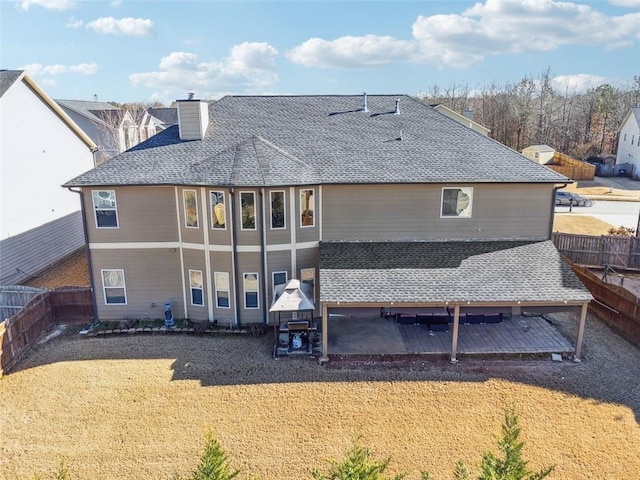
[
  {"x": 553, "y": 208},
  {"x": 234, "y": 240},
  {"x": 263, "y": 253},
  {"x": 88, "y": 253}
]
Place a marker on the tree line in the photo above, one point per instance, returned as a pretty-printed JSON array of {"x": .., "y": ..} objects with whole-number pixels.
[{"x": 535, "y": 111}]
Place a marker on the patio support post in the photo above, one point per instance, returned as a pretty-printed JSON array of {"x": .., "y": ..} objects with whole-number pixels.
[
  {"x": 456, "y": 324},
  {"x": 325, "y": 335},
  {"x": 583, "y": 318}
]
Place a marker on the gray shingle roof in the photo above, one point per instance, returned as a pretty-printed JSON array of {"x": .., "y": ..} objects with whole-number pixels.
[
  {"x": 8, "y": 78},
  {"x": 167, "y": 115},
  {"x": 94, "y": 110},
  {"x": 322, "y": 139},
  {"x": 485, "y": 271}
]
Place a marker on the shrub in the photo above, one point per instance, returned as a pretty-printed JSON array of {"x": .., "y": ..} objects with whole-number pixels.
[
  {"x": 214, "y": 464},
  {"x": 622, "y": 231}
]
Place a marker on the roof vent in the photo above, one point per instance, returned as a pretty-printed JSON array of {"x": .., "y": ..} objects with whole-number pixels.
[
  {"x": 190, "y": 94},
  {"x": 397, "y": 110},
  {"x": 364, "y": 102}
]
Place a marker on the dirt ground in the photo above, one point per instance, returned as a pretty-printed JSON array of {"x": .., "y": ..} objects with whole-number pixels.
[
  {"x": 138, "y": 406},
  {"x": 71, "y": 272}
]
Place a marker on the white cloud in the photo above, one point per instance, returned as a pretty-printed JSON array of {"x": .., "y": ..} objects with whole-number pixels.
[
  {"x": 50, "y": 4},
  {"x": 74, "y": 23},
  {"x": 491, "y": 28},
  {"x": 136, "y": 27},
  {"x": 578, "y": 83},
  {"x": 37, "y": 69},
  {"x": 351, "y": 52},
  {"x": 625, "y": 3},
  {"x": 116, "y": 3},
  {"x": 249, "y": 68}
]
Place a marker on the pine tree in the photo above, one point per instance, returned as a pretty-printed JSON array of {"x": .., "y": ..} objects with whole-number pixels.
[{"x": 214, "y": 464}]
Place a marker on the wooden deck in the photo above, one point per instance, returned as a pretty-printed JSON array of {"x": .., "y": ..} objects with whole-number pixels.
[{"x": 518, "y": 335}]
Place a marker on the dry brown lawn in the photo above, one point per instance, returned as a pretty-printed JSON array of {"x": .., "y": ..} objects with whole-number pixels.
[
  {"x": 138, "y": 406},
  {"x": 579, "y": 224}
]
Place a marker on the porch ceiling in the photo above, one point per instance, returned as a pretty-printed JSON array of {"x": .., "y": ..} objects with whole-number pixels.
[{"x": 495, "y": 272}]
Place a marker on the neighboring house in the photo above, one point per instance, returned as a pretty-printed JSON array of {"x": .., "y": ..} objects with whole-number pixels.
[
  {"x": 40, "y": 148},
  {"x": 629, "y": 140},
  {"x": 541, "y": 154},
  {"x": 465, "y": 119},
  {"x": 111, "y": 128},
  {"x": 156, "y": 120},
  {"x": 376, "y": 202}
]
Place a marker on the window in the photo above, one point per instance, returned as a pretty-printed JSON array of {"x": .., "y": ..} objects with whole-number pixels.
[
  {"x": 248, "y": 209},
  {"x": 251, "y": 290},
  {"x": 195, "y": 280},
  {"x": 457, "y": 202},
  {"x": 104, "y": 206},
  {"x": 113, "y": 286},
  {"x": 222, "y": 289},
  {"x": 307, "y": 204},
  {"x": 190, "y": 208},
  {"x": 279, "y": 278},
  {"x": 218, "y": 213},
  {"x": 308, "y": 276},
  {"x": 277, "y": 210}
]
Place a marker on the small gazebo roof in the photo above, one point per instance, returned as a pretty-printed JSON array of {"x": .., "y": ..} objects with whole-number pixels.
[{"x": 292, "y": 297}]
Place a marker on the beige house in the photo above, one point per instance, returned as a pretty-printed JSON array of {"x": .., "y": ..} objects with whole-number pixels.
[{"x": 373, "y": 203}]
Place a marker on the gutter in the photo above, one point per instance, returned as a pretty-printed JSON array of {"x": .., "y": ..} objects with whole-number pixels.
[
  {"x": 88, "y": 253},
  {"x": 553, "y": 207}
]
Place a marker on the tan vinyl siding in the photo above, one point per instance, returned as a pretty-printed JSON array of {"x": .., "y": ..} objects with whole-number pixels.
[
  {"x": 307, "y": 234},
  {"x": 309, "y": 258},
  {"x": 152, "y": 276},
  {"x": 279, "y": 236},
  {"x": 145, "y": 214},
  {"x": 412, "y": 212},
  {"x": 190, "y": 234},
  {"x": 248, "y": 237},
  {"x": 219, "y": 236},
  {"x": 250, "y": 263}
]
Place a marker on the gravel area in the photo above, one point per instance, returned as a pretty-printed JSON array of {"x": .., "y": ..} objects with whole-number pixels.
[{"x": 137, "y": 407}]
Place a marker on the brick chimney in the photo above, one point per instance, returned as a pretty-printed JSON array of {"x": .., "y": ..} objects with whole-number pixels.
[{"x": 193, "y": 118}]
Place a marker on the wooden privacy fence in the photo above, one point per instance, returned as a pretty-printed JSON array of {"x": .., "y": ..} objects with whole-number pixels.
[
  {"x": 20, "y": 332},
  {"x": 617, "y": 251},
  {"x": 572, "y": 168},
  {"x": 615, "y": 305}
]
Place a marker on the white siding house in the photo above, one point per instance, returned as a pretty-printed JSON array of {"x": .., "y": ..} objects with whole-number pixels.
[
  {"x": 629, "y": 141},
  {"x": 40, "y": 148},
  {"x": 541, "y": 154}
]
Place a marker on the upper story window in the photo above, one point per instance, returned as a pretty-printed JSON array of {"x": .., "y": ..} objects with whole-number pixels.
[
  {"x": 115, "y": 292},
  {"x": 277, "y": 210},
  {"x": 457, "y": 202},
  {"x": 307, "y": 208},
  {"x": 195, "y": 281},
  {"x": 251, "y": 290},
  {"x": 104, "y": 206},
  {"x": 248, "y": 210},
  {"x": 190, "y": 208},
  {"x": 218, "y": 212},
  {"x": 279, "y": 278}
]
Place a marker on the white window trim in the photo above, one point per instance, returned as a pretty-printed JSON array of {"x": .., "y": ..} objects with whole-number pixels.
[
  {"x": 104, "y": 288},
  {"x": 191, "y": 288},
  {"x": 224, "y": 200},
  {"x": 457, "y": 216},
  {"x": 255, "y": 219},
  {"x": 245, "y": 291},
  {"x": 95, "y": 209},
  {"x": 314, "y": 209},
  {"x": 284, "y": 209},
  {"x": 273, "y": 278},
  {"x": 215, "y": 281},
  {"x": 184, "y": 206}
]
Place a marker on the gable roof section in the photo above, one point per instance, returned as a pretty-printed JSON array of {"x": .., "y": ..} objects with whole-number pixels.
[
  {"x": 94, "y": 111},
  {"x": 332, "y": 139},
  {"x": 166, "y": 115},
  {"x": 633, "y": 113},
  {"x": 9, "y": 77},
  {"x": 503, "y": 272}
]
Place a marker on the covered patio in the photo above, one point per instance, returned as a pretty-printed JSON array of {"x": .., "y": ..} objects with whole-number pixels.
[{"x": 471, "y": 297}]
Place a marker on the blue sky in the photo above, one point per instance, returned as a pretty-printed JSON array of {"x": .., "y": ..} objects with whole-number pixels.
[{"x": 141, "y": 50}]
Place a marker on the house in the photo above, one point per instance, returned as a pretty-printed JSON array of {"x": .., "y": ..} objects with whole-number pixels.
[
  {"x": 40, "y": 148},
  {"x": 375, "y": 202},
  {"x": 465, "y": 119},
  {"x": 110, "y": 127},
  {"x": 629, "y": 141},
  {"x": 156, "y": 119},
  {"x": 542, "y": 154}
]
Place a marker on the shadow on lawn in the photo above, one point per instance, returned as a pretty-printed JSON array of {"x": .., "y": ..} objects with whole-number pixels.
[{"x": 608, "y": 372}]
